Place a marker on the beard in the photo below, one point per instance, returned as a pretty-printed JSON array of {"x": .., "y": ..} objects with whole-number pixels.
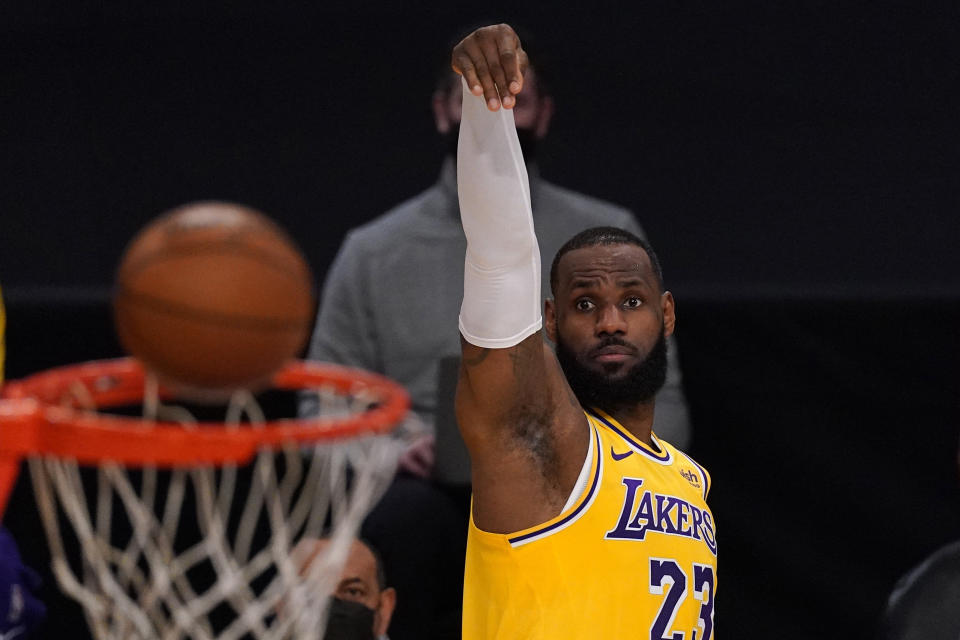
[{"x": 612, "y": 391}]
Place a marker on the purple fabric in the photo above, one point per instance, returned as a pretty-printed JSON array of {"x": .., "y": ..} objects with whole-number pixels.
[{"x": 20, "y": 609}]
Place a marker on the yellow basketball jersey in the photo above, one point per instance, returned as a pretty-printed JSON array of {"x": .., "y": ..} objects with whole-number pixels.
[{"x": 634, "y": 557}]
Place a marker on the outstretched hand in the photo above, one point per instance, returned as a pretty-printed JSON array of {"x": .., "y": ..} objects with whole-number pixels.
[{"x": 492, "y": 62}]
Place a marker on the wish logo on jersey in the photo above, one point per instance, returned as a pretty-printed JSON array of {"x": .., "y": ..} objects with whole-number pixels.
[
  {"x": 691, "y": 477},
  {"x": 661, "y": 513}
]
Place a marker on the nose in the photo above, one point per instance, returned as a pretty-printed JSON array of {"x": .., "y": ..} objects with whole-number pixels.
[{"x": 611, "y": 321}]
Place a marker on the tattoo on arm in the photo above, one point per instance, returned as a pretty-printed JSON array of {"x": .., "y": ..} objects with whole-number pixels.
[
  {"x": 516, "y": 359},
  {"x": 477, "y": 358},
  {"x": 527, "y": 358}
]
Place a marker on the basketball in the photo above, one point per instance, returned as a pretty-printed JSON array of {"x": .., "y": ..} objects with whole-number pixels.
[{"x": 213, "y": 296}]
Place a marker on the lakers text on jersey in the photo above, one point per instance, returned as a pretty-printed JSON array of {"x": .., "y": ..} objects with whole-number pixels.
[{"x": 635, "y": 556}]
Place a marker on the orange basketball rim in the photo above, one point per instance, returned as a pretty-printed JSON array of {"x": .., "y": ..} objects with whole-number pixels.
[{"x": 41, "y": 416}]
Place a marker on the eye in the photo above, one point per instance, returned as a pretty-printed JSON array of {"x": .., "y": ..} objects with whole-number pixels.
[
  {"x": 583, "y": 305},
  {"x": 353, "y": 592},
  {"x": 633, "y": 302}
]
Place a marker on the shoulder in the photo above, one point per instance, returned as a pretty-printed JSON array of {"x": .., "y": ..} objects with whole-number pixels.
[
  {"x": 583, "y": 210},
  {"x": 400, "y": 221},
  {"x": 694, "y": 472},
  {"x": 941, "y": 567},
  {"x": 915, "y": 608}
]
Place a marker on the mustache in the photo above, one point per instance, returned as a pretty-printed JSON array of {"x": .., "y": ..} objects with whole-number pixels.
[{"x": 612, "y": 341}]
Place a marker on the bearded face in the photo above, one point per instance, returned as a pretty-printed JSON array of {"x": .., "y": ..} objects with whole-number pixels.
[
  {"x": 610, "y": 319},
  {"x": 613, "y": 386}
]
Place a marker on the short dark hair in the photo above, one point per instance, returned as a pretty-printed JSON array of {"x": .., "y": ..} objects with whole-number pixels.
[
  {"x": 604, "y": 236},
  {"x": 378, "y": 561}
]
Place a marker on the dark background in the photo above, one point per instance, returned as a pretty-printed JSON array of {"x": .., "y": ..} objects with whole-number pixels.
[{"x": 795, "y": 165}]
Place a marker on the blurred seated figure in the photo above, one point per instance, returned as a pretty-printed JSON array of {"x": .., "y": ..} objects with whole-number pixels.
[
  {"x": 362, "y": 602},
  {"x": 20, "y": 609}
]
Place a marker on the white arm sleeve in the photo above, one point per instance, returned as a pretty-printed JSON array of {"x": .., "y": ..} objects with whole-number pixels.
[{"x": 501, "y": 277}]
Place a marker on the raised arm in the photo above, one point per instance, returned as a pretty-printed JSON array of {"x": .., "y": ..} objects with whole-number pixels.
[{"x": 526, "y": 433}]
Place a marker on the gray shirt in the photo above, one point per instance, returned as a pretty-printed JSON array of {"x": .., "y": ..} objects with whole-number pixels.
[{"x": 392, "y": 296}]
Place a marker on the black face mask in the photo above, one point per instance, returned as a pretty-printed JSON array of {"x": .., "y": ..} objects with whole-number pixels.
[
  {"x": 527, "y": 137},
  {"x": 349, "y": 621}
]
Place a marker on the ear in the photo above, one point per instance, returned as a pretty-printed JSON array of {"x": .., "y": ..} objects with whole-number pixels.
[
  {"x": 440, "y": 117},
  {"x": 544, "y": 116},
  {"x": 550, "y": 319},
  {"x": 388, "y": 602},
  {"x": 668, "y": 307}
]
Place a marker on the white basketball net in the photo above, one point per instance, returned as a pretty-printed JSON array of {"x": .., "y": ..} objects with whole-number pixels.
[{"x": 206, "y": 552}]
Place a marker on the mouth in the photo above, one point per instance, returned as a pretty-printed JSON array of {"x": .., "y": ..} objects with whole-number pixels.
[{"x": 612, "y": 353}]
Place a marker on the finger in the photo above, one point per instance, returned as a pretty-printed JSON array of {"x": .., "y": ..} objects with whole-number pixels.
[
  {"x": 462, "y": 64},
  {"x": 499, "y": 50},
  {"x": 513, "y": 61},
  {"x": 406, "y": 464},
  {"x": 472, "y": 61},
  {"x": 418, "y": 468},
  {"x": 422, "y": 450},
  {"x": 523, "y": 62},
  {"x": 486, "y": 60}
]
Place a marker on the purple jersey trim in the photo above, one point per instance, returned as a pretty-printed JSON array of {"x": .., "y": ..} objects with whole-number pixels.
[
  {"x": 665, "y": 457},
  {"x": 588, "y": 498}
]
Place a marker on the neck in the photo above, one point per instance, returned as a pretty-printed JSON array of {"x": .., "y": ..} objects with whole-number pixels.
[{"x": 637, "y": 419}]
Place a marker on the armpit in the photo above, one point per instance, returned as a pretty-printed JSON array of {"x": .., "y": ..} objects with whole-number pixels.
[{"x": 532, "y": 426}]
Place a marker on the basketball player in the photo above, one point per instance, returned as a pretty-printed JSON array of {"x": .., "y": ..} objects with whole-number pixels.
[{"x": 584, "y": 524}]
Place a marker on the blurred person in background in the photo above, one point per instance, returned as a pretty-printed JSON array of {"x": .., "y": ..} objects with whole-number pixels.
[
  {"x": 21, "y": 611},
  {"x": 362, "y": 603},
  {"x": 925, "y": 604}
]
